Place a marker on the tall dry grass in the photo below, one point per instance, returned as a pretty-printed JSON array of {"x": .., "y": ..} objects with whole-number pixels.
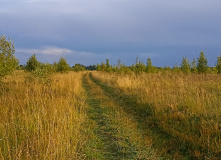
[
  {"x": 42, "y": 120},
  {"x": 185, "y": 106}
]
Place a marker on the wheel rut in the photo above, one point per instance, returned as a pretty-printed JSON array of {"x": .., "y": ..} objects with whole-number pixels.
[
  {"x": 165, "y": 145},
  {"x": 114, "y": 133}
]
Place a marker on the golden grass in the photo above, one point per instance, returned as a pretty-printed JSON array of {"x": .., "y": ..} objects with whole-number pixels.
[
  {"x": 186, "y": 106},
  {"x": 42, "y": 120}
]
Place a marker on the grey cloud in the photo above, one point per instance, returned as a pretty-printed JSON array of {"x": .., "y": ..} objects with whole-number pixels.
[{"x": 118, "y": 27}]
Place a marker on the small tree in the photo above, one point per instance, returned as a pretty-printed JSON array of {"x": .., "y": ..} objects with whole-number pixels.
[
  {"x": 202, "y": 64},
  {"x": 193, "y": 66},
  {"x": 139, "y": 66},
  {"x": 78, "y": 67},
  {"x": 185, "y": 66},
  {"x": 103, "y": 66},
  {"x": 149, "y": 67},
  {"x": 32, "y": 63},
  {"x": 119, "y": 65},
  {"x": 218, "y": 64},
  {"x": 63, "y": 65},
  {"x": 108, "y": 67},
  {"x": 98, "y": 67},
  {"x": 107, "y": 63},
  {"x": 176, "y": 68},
  {"x": 8, "y": 62}
]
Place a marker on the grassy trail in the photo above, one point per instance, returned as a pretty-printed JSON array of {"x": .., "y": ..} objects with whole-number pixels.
[
  {"x": 114, "y": 134},
  {"x": 166, "y": 146}
]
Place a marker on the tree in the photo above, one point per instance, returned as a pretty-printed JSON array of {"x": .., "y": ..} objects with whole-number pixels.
[
  {"x": 176, "y": 68},
  {"x": 149, "y": 67},
  {"x": 185, "y": 66},
  {"x": 103, "y": 66},
  {"x": 78, "y": 67},
  {"x": 119, "y": 65},
  {"x": 108, "y": 67},
  {"x": 8, "y": 62},
  {"x": 91, "y": 67},
  {"x": 32, "y": 63},
  {"x": 218, "y": 64},
  {"x": 139, "y": 66},
  {"x": 107, "y": 63},
  {"x": 98, "y": 67},
  {"x": 202, "y": 64},
  {"x": 63, "y": 66},
  {"x": 193, "y": 66}
]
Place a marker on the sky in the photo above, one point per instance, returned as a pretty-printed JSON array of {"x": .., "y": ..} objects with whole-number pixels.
[{"x": 91, "y": 31}]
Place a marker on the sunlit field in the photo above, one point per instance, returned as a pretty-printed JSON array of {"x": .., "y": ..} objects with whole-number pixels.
[
  {"x": 101, "y": 115},
  {"x": 41, "y": 119},
  {"x": 184, "y": 106}
]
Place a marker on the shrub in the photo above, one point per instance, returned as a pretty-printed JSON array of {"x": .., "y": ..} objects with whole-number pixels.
[
  {"x": 32, "y": 63},
  {"x": 185, "y": 66},
  {"x": 218, "y": 64},
  {"x": 63, "y": 65},
  {"x": 202, "y": 64},
  {"x": 8, "y": 62}
]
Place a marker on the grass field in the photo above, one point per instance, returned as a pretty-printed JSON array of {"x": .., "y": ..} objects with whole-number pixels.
[
  {"x": 99, "y": 115},
  {"x": 42, "y": 120},
  {"x": 186, "y": 107}
]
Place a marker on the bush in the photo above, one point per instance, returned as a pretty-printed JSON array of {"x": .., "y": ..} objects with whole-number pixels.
[
  {"x": 63, "y": 65},
  {"x": 8, "y": 62},
  {"x": 218, "y": 64},
  {"x": 185, "y": 66},
  {"x": 32, "y": 63},
  {"x": 202, "y": 64}
]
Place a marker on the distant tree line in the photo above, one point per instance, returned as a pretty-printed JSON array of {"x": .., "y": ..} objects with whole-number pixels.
[
  {"x": 196, "y": 66},
  {"x": 8, "y": 63},
  {"x": 60, "y": 66}
]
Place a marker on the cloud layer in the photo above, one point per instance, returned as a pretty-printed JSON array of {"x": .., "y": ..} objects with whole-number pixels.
[
  {"x": 118, "y": 28},
  {"x": 50, "y": 51}
]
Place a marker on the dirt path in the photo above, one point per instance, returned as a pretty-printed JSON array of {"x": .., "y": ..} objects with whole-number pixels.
[{"x": 115, "y": 134}]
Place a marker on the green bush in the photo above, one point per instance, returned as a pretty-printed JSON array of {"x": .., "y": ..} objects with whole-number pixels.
[
  {"x": 218, "y": 64},
  {"x": 8, "y": 62},
  {"x": 202, "y": 64},
  {"x": 185, "y": 66},
  {"x": 63, "y": 65},
  {"x": 32, "y": 63}
]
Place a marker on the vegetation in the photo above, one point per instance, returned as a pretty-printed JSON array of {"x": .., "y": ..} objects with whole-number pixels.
[
  {"x": 185, "y": 66},
  {"x": 116, "y": 134},
  {"x": 218, "y": 64},
  {"x": 193, "y": 66},
  {"x": 186, "y": 107},
  {"x": 42, "y": 120},
  {"x": 32, "y": 63},
  {"x": 202, "y": 64},
  {"x": 78, "y": 67},
  {"x": 8, "y": 62},
  {"x": 63, "y": 65},
  {"x": 117, "y": 112},
  {"x": 150, "y": 67}
]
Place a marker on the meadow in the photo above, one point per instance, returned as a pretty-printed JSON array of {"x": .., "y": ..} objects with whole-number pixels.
[
  {"x": 41, "y": 118},
  {"x": 101, "y": 115},
  {"x": 185, "y": 106}
]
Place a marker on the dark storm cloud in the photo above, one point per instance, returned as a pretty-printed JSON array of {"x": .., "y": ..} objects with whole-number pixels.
[{"x": 114, "y": 29}]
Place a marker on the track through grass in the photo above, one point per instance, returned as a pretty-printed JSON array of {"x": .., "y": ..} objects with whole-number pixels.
[
  {"x": 115, "y": 134},
  {"x": 167, "y": 146}
]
